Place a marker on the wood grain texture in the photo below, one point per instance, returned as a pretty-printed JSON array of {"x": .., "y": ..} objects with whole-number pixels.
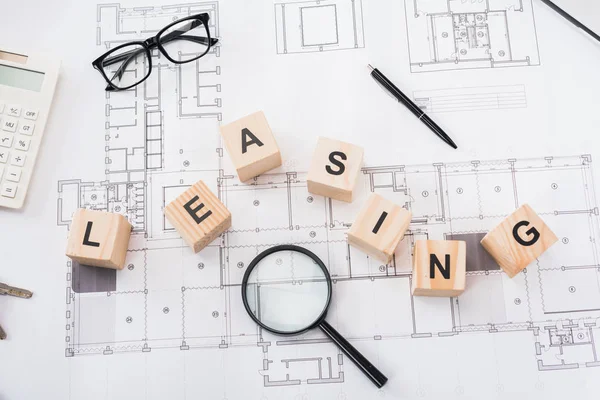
[
  {"x": 198, "y": 235},
  {"x": 109, "y": 230},
  {"x": 512, "y": 256},
  {"x": 257, "y": 159},
  {"x": 321, "y": 182},
  {"x": 453, "y": 251},
  {"x": 390, "y": 232}
]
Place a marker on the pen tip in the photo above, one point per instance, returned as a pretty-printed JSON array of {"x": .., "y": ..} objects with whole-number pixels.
[{"x": 370, "y": 67}]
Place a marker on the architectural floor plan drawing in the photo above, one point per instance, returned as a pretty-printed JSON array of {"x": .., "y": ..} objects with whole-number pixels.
[
  {"x": 319, "y": 25},
  {"x": 462, "y": 34},
  {"x": 163, "y": 136}
]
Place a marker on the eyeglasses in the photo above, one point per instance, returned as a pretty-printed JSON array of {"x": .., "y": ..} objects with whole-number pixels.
[{"x": 181, "y": 42}]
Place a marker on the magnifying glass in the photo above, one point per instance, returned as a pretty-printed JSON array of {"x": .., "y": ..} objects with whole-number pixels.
[{"x": 287, "y": 290}]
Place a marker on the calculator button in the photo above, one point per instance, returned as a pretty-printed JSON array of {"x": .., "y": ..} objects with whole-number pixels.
[
  {"x": 1, "y": 108},
  {"x": 9, "y": 190},
  {"x": 31, "y": 114},
  {"x": 18, "y": 159},
  {"x": 6, "y": 140},
  {"x": 13, "y": 110},
  {"x": 1, "y": 171},
  {"x": 3, "y": 156},
  {"x": 26, "y": 128},
  {"x": 22, "y": 143},
  {"x": 9, "y": 125},
  {"x": 13, "y": 174}
]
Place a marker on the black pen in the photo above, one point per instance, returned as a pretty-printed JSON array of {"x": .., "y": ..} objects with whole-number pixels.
[
  {"x": 571, "y": 19},
  {"x": 402, "y": 98}
]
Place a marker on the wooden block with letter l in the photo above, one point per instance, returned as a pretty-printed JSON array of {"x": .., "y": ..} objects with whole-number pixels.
[
  {"x": 379, "y": 227},
  {"x": 98, "y": 238},
  {"x": 518, "y": 240},
  {"x": 439, "y": 268},
  {"x": 198, "y": 215},
  {"x": 334, "y": 169},
  {"x": 251, "y": 146}
]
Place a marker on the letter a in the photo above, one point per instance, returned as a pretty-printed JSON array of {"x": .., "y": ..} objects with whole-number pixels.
[{"x": 253, "y": 140}]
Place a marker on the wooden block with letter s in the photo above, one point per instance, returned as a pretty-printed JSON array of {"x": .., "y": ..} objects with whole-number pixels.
[
  {"x": 334, "y": 169},
  {"x": 518, "y": 240},
  {"x": 379, "y": 227},
  {"x": 99, "y": 238},
  {"x": 439, "y": 268},
  {"x": 198, "y": 215},
  {"x": 251, "y": 146}
]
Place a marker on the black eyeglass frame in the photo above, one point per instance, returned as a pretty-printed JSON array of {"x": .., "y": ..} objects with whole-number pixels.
[{"x": 149, "y": 44}]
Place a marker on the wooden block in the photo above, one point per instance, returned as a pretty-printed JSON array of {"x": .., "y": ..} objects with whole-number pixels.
[
  {"x": 518, "y": 240},
  {"x": 251, "y": 146},
  {"x": 379, "y": 227},
  {"x": 334, "y": 169},
  {"x": 98, "y": 238},
  {"x": 439, "y": 268},
  {"x": 199, "y": 216}
]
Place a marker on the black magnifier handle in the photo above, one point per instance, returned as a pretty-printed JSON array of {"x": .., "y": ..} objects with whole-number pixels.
[{"x": 350, "y": 351}]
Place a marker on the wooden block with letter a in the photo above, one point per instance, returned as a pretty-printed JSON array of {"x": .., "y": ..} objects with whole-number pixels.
[
  {"x": 99, "y": 238},
  {"x": 334, "y": 169},
  {"x": 518, "y": 240},
  {"x": 439, "y": 268},
  {"x": 251, "y": 146},
  {"x": 379, "y": 227},
  {"x": 198, "y": 215}
]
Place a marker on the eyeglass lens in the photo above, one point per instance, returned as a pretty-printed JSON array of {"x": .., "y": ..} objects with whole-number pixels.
[
  {"x": 126, "y": 66},
  {"x": 185, "y": 40}
]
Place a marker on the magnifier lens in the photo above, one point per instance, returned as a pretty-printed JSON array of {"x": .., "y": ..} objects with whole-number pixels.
[{"x": 287, "y": 291}]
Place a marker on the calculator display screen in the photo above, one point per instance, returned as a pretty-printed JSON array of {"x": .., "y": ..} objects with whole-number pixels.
[{"x": 21, "y": 78}]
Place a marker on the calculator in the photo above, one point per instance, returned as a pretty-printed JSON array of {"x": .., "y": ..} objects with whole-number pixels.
[{"x": 27, "y": 83}]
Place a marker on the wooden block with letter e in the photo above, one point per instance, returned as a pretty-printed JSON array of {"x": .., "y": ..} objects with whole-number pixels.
[
  {"x": 379, "y": 227},
  {"x": 334, "y": 169},
  {"x": 439, "y": 268},
  {"x": 251, "y": 145},
  {"x": 198, "y": 215},
  {"x": 518, "y": 240},
  {"x": 98, "y": 238}
]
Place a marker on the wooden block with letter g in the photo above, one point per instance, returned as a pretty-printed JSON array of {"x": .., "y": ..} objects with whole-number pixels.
[
  {"x": 379, "y": 227},
  {"x": 98, "y": 238},
  {"x": 518, "y": 240},
  {"x": 198, "y": 215},
  {"x": 334, "y": 169},
  {"x": 439, "y": 268},
  {"x": 251, "y": 145}
]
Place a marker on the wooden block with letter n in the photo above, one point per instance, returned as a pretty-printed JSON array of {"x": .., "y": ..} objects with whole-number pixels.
[
  {"x": 98, "y": 238},
  {"x": 439, "y": 268},
  {"x": 251, "y": 146},
  {"x": 334, "y": 169},
  {"x": 198, "y": 215},
  {"x": 518, "y": 240},
  {"x": 379, "y": 227}
]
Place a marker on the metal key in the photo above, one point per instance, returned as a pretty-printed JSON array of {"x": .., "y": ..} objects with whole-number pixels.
[{"x": 13, "y": 291}]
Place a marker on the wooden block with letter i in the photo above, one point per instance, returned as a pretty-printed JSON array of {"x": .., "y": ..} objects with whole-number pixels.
[
  {"x": 251, "y": 146},
  {"x": 198, "y": 215},
  {"x": 379, "y": 227},
  {"x": 99, "y": 238},
  {"x": 439, "y": 268},
  {"x": 334, "y": 169},
  {"x": 518, "y": 240}
]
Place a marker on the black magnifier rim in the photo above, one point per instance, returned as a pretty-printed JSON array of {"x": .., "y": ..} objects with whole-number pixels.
[{"x": 275, "y": 249}]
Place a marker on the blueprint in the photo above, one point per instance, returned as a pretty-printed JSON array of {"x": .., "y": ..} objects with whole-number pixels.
[{"x": 171, "y": 324}]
